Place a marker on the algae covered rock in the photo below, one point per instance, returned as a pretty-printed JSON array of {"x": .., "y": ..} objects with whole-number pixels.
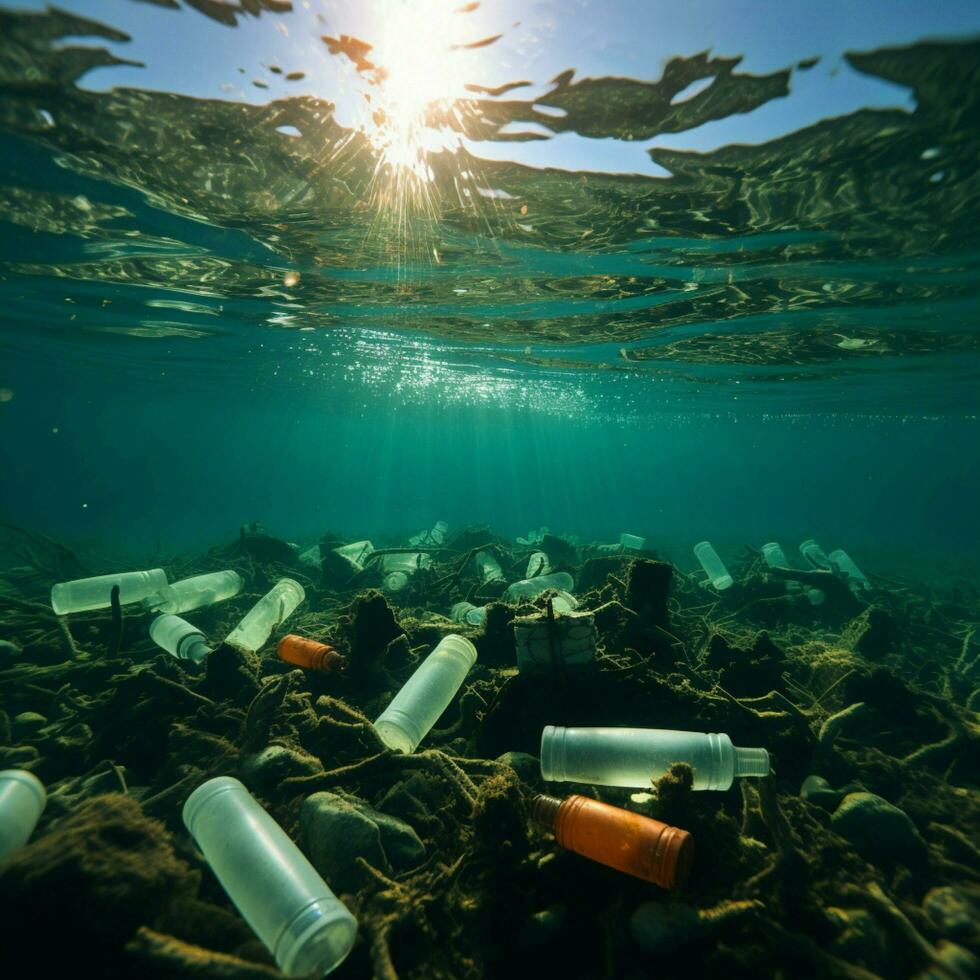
[
  {"x": 954, "y": 912},
  {"x": 879, "y": 831},
  {"x": 265, "y": 770},
  {"x": 335, "y": 830},
  {"x": 527, "y": 766},
  {"x": 660, "y": 927},
  {"x": 818, "y": 791},
  {"x": 872, "y": 633}
]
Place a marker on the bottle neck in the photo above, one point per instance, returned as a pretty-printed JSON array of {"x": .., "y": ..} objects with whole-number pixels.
[{"x": 544, "y": 811}]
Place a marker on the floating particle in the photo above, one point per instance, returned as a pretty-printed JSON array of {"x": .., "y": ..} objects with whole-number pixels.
[
  {"x": 295, "y": 76},
  {"x": 259, "y": 84},
  {"x": 290, "y": 279},
  {"x": 6, "y": 395}
]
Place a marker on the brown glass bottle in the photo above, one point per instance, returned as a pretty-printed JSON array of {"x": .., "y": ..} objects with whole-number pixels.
[
  {"x": 310, "y": 654},
  {"x": 623, "y": 840}
]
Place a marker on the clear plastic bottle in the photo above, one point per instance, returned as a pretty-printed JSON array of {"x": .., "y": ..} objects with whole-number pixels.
[
  {"x": 618, "y": 838},
  {"x": 275, "y": 888},
  {"x": 407, "y": 561},
  {"x": 426, "y": 694},
  {"x": 466, "y": 612},
  {"x": 774, "y": 555},
  {"x": 844, "y": 563},
  {"x": 528, "y": 588},
  {"x": 488, "y": 567},
  {"x": 270, "y": 611},
  {"x": 193, "y": 593},
  {"x": 96, "y": 593},
  {"x": 814, "y": 554},
  {"x": 713, "y": 565},
  {"x": 179, "y": 638},
  {"x": 537, "y": 564},
  {"x": 632, "y": 757},
  {"x": 22, "y": 800},
  {"x": 357, "y": 552}
]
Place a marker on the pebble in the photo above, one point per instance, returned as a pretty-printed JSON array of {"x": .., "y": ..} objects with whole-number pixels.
[
  {"x": 28, "y": 722},
  {"x": 525, "y": 765},
  {"x": 953, "y": 913},
  {"x": 659, "y": 927},
  {"x": 878, "y": 830},
  {"x": 265, "y": 770},
  {"x": 817, "y": 790}
]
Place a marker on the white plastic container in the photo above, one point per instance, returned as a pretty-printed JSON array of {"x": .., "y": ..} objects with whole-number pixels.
[
  {"x": 713, "y": 565},
  {"x": 632, "y": 757},
  {"x": 537, "y": 564},
  {"x": 466, "y": 612},
  {"x": 774, "y": 555},
  {"x": 528, "y": 588},
  {"x": 311, "y": 556},
  {"x": 275, "y": 888},
  {"x": 488, "y": 567},
  {"x": 268, "y": 613},
  {"x": 408, "y": 562},
  {"x": 564, "y": 602},
  {"x": 855, "y": 577},
  {"x": 435, "y": 535},
  {"x": 96, "y": 593},
  {"x": 426, "y": 694},
  {"x": 358, "y": 552},
  {"x": 632, "y": 542},
  {"x": 394, "y": 581},
  {"x": 814, "y": 554},
  {"x": 179, "y": 638},
  {"x": 193, "y": 593},
  {"x": 22, "y": 799}
]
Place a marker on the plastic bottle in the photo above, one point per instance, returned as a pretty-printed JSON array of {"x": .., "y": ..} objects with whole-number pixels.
[
  {"x": 844, "y": 563},
  {"x": 537, "y": 564},
  {"x": 192, "y": 593},
  {"x": 179, "y": 638},
  {"x": 466, "y": 612},
  {"x": 634, "y": 756},
  {"x": 488, "y": 567},
  {"x": 394, "y": 581},
  {"x": 426, "y": 694},
  {"x": 564, "y": 602},
  {"x": 774, "y": 555},
  {"x": 96, "y": 593},
  {"x": 268, "y": 613},
  {"x": 310, "y": 654},
  {"x": 713, "y": 565},
  {"x": 528, "y": 588},
  {"x": 407, "y": 561},
  {"x": 618, "y": 838},
  {"x": 275, "y": 888},
  {"x": 22, "y": 800},
  {"x": 357, "y": 552},
  {"x": 632, "y": 541},
  {"x": 311, "y": 556},
  {"x": 814, "y": 554}
]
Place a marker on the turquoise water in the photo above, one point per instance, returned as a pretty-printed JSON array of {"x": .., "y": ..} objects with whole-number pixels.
[{"x": 576, "y": 319}]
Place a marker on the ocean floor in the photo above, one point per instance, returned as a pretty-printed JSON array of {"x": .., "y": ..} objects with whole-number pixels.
[{"x": 872, "y": 870}]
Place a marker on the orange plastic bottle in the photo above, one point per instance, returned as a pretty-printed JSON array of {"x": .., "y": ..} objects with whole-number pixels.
[
  {"x": 310, "y": 654},
  {"x": 623, "y": 840}
]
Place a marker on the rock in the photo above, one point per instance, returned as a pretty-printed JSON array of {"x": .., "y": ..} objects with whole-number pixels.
[
  {"x": 527, "y": 766},
  {"x": 660, "y": 927},
  {"x": 28, "y": 723},
  {"x": 648, "y": 589},
  {"x": 9, "y": 650},
  {"x": 819, "y": 792},
  {"x": 861, "y": 940},
  {"x": 231, "y": 674},
  {"x": 872, "y": 633},
  {"x": 372, "y": 627},
  {"x": 954, "y": 913},
  {"x": 879, "y": 831},
  {"x": 265, "y": 770},
  {"x": 543, "y": 926},
  {"x": 336, "y": 830}
]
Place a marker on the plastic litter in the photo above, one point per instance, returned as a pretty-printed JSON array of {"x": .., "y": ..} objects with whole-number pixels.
[
  {"x": 269, "y": 612},
  {"x": 466, "y": 612},
  {"x": 275, "y": 888},
  {"x": 84, "y": 594},
  {"x": 193, "y": 593},
  {"x": 632, "y": 542},
  {"x": 713, "y": 565},
  {"x": 309, "y": 653},
  {"x": 537, "y": 564},
  {"x": 544, "y": 644},
  {"x": 179, "y": 638},
  {"x": 488, "y": 567},
  {"x": 529, "y": 588},
  {"x": 22, "y": 800},
  {"x": 632, "y": 757},
  {"x": 426, "y": 694},
  {"x": 856, "y": 579},
  {"x": 814, "y": 554}
]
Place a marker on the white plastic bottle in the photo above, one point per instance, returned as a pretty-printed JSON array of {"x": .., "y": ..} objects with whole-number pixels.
[
  {"x": 22, "y": 799},
  {"x": 179, "y": 638},
  {"x": 426, "y": 694},
  {"x": 193, "y": 593},
  {"x": 814, "y": 554},
  {"x": 357, "y": 551},
  {"x": 528, "y": 588},
  {"x": 275, "y": 888},
  {"x": 488, "y": 567},
  {"x": 634, "y": 756},
  {"x": 96, "y": 593},
  {"x": 855, "y": 577},
  {"x": 466, "y": 612},
  {"x": 774, "y": 555},
  {"x": 537, "y": 564},
  {"x": 268, "y": 613},
  {"x": 713, "y": 565}
]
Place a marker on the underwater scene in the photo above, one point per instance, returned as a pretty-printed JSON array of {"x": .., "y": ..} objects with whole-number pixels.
[{"x": 490, "y": 489}]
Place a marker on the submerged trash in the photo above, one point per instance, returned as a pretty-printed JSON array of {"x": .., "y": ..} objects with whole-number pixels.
[
  {"x": 843, "y": 562},
  {"x": 310, "y": 654},
  {"x": 268, "y": 613},
  {"x": 22, "y": 800},
  {"x": 530, "y": 588},
  {"x": 400, "y": 568},
  {"x": 426, "y": 694},
  {"x": 275, "y": 888},
  {"x": 193, "y": 593},
  {"x": 776, "y": 558},
  {"x": 466, "y": 612},
  {"x": 814, "y": 554},
  {"x": 537, "y": 564},
  {"x": 84, "y": 594},
  {"x": 632, "y": 757},
  {"x": 545, "y": 643},
  {"x": 179, "y": 638},
  {"x": 435, "y": 535},
  {"x": 713, "y": 566},
  {"x": 632, "y": 542},
  {"x": 618, "y": 838},
  {"x": 357, "y": 551},
  {"x": 488, "y": 567}
]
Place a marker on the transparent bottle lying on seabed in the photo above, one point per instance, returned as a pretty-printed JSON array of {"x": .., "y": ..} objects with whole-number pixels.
[
  {"x": 776, "y": 558},
  {"x": 193, "y": 593},
  {"x": 269, "y": 612}
]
